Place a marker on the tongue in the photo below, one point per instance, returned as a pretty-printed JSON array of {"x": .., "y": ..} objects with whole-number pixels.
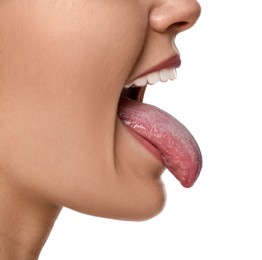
[{"x": 178, "y": 149}]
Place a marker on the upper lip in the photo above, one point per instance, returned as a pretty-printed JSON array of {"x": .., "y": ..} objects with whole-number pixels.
[{"x": 172, "y": 62}]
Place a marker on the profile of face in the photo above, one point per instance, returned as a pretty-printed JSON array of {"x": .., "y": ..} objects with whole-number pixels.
[{"x": 66, "y": 136}]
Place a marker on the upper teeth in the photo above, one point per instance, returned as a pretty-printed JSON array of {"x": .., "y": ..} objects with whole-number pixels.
[{"x": 152, "y": 78}]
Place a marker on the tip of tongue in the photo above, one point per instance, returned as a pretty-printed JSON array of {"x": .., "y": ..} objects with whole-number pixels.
[
  {"x": 185, "y": 177},
  {"x": 186, "y": 173}
]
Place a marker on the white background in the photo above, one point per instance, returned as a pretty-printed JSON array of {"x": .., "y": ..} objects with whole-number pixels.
[{"x": 217, "y": 96}]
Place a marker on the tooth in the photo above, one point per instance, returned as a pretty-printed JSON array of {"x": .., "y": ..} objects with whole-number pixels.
[
  {"x": 152, "y": 78},
  {"x": 175, "y": 72},
  {"x": 140, "y": 82},
  {"x": 128, "y": 85},
  {"x": 172, "y": 74},
  {"x": 164, "y": 75}
]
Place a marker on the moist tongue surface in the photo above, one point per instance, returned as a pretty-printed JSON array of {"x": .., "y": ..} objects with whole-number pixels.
[{"x": 179, "y": 151}]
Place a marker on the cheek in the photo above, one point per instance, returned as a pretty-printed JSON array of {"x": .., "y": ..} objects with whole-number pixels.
[
  {"x": 78, "y": 49},
  {"x": 98, "y": 39},
  {"x": 85, "y": 42},
  {"x": 108, "y": 45}
]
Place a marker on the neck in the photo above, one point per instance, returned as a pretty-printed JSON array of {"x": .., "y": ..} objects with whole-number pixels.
[{"x": 25, "y": 223}]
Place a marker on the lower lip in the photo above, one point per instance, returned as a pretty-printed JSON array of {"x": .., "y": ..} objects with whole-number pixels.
[{"x": 151, "y": 148}]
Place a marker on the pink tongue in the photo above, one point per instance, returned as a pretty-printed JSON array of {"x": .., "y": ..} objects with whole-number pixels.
[{"x": 179, "y": 151}]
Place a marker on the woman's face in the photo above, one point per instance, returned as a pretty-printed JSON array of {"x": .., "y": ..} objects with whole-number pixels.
[{"x": 63, "y": 65}]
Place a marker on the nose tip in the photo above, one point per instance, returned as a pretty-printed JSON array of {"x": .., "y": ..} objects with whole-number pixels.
[{"x": 179, "y": 14}]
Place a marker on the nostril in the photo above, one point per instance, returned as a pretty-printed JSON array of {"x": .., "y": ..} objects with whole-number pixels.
[{"x": 181, "y": 25}]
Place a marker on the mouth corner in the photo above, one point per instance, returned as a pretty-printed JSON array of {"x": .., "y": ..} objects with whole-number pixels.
[{"x": 134, "y": 93}]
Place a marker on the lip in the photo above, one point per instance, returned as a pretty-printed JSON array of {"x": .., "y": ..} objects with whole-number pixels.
[{"x": 172, "y": 62}]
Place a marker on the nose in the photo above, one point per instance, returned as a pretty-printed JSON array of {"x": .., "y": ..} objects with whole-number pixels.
[{"x": 178, "y": 14}]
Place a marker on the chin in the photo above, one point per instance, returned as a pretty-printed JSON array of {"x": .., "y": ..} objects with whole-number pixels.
[
  {"x": 150, "y": 210},
  {"x": 142, "y": 206},
  {"x": 150, "y": 206}
]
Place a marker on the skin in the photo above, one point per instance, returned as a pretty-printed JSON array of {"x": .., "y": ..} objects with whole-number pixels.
[{"x": 63, "y": 65}]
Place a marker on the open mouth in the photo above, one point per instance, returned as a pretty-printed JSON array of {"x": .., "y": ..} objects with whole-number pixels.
[
  {"x": 136, "y": 89},
  {"x": 134, "y": 93},
  {"x": 173, "y": 143}
]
